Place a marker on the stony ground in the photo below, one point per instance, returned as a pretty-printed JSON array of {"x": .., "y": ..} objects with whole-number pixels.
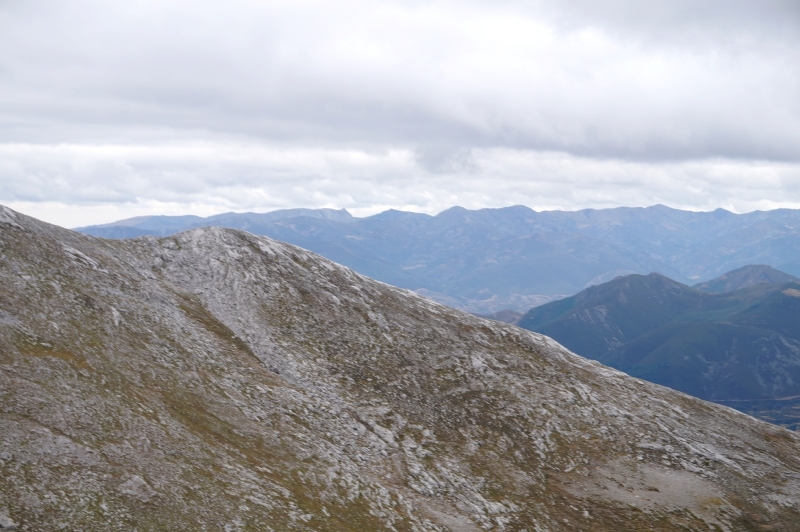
[{"x": 216, "y": 380}]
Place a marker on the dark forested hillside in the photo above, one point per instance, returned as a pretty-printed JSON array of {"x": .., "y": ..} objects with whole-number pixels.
[{"x": 742, "y": 345}]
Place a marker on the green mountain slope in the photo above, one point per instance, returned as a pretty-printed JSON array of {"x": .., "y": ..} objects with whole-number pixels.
[
  {"x": 778, "y": 310},
  {"x": 715, "y": 361},
  {"x": 600, "y": 319}
]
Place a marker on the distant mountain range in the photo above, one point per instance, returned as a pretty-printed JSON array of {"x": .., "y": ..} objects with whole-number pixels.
[
  {"x": 740, "y": 347},
  {"x": 488, "y": 260},
  {"x": 169, "y": 225}
]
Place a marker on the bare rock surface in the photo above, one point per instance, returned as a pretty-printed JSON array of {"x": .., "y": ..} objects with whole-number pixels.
[
  {"x": 7, "y": 524},
  {"x": 216, "y": 380}
]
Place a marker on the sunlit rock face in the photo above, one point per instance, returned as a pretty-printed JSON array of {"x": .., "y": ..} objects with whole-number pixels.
[{"x": 216, "y": 380}]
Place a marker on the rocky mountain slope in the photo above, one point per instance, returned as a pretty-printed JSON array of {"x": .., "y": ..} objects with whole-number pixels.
[
  {"x": 488, "y": 260},
  {"x": 734, "y": 347},
  {"x": 216, "y": 380}
]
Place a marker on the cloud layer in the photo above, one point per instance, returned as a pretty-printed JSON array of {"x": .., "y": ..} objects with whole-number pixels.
[{"x": 128, "y": 107}]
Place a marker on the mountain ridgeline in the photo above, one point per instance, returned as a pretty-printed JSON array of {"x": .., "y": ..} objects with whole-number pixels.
[
  {"x": 488, "y": 260},
  {"x": 744, "y": 277},
  {"x": 740, "y": 347},
  {"x": 219, "y": 380}
]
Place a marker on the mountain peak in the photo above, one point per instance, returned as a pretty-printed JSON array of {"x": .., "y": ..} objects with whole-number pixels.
[{"x": 744, "y": 277}]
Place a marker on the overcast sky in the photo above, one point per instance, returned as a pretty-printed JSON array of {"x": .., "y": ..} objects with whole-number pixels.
[{"x": 111, "y": 109}]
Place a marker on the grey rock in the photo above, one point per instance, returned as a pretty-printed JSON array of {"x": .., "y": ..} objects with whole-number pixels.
[
  {"x": 6, "y": 523},
  {"x": 138, "y": 488}
]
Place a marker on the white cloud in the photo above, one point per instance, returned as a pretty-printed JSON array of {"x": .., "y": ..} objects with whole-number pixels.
[
  {"x": 197, "y": 106},
  {"x": 212, "y": 177}
]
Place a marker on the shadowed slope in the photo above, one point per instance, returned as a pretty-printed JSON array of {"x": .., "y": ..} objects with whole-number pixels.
[{"x": 733, "y": 347}]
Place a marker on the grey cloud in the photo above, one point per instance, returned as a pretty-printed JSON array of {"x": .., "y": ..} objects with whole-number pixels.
[
  {"x": 258, "y": 177},
  {"x": 705, "y": 23},
  {"x": 356, "y": 73}
]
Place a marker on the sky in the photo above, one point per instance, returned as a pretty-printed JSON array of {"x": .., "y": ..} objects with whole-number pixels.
[{"x": 112, "y": 109}]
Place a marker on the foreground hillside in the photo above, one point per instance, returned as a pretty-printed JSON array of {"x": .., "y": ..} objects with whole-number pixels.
[
  {"x": 215, "y": 380},
  {"x": 488, "y": 260}
]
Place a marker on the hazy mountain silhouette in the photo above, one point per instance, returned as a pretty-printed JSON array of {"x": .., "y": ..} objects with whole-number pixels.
[{"x": 488, "y": 260}]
